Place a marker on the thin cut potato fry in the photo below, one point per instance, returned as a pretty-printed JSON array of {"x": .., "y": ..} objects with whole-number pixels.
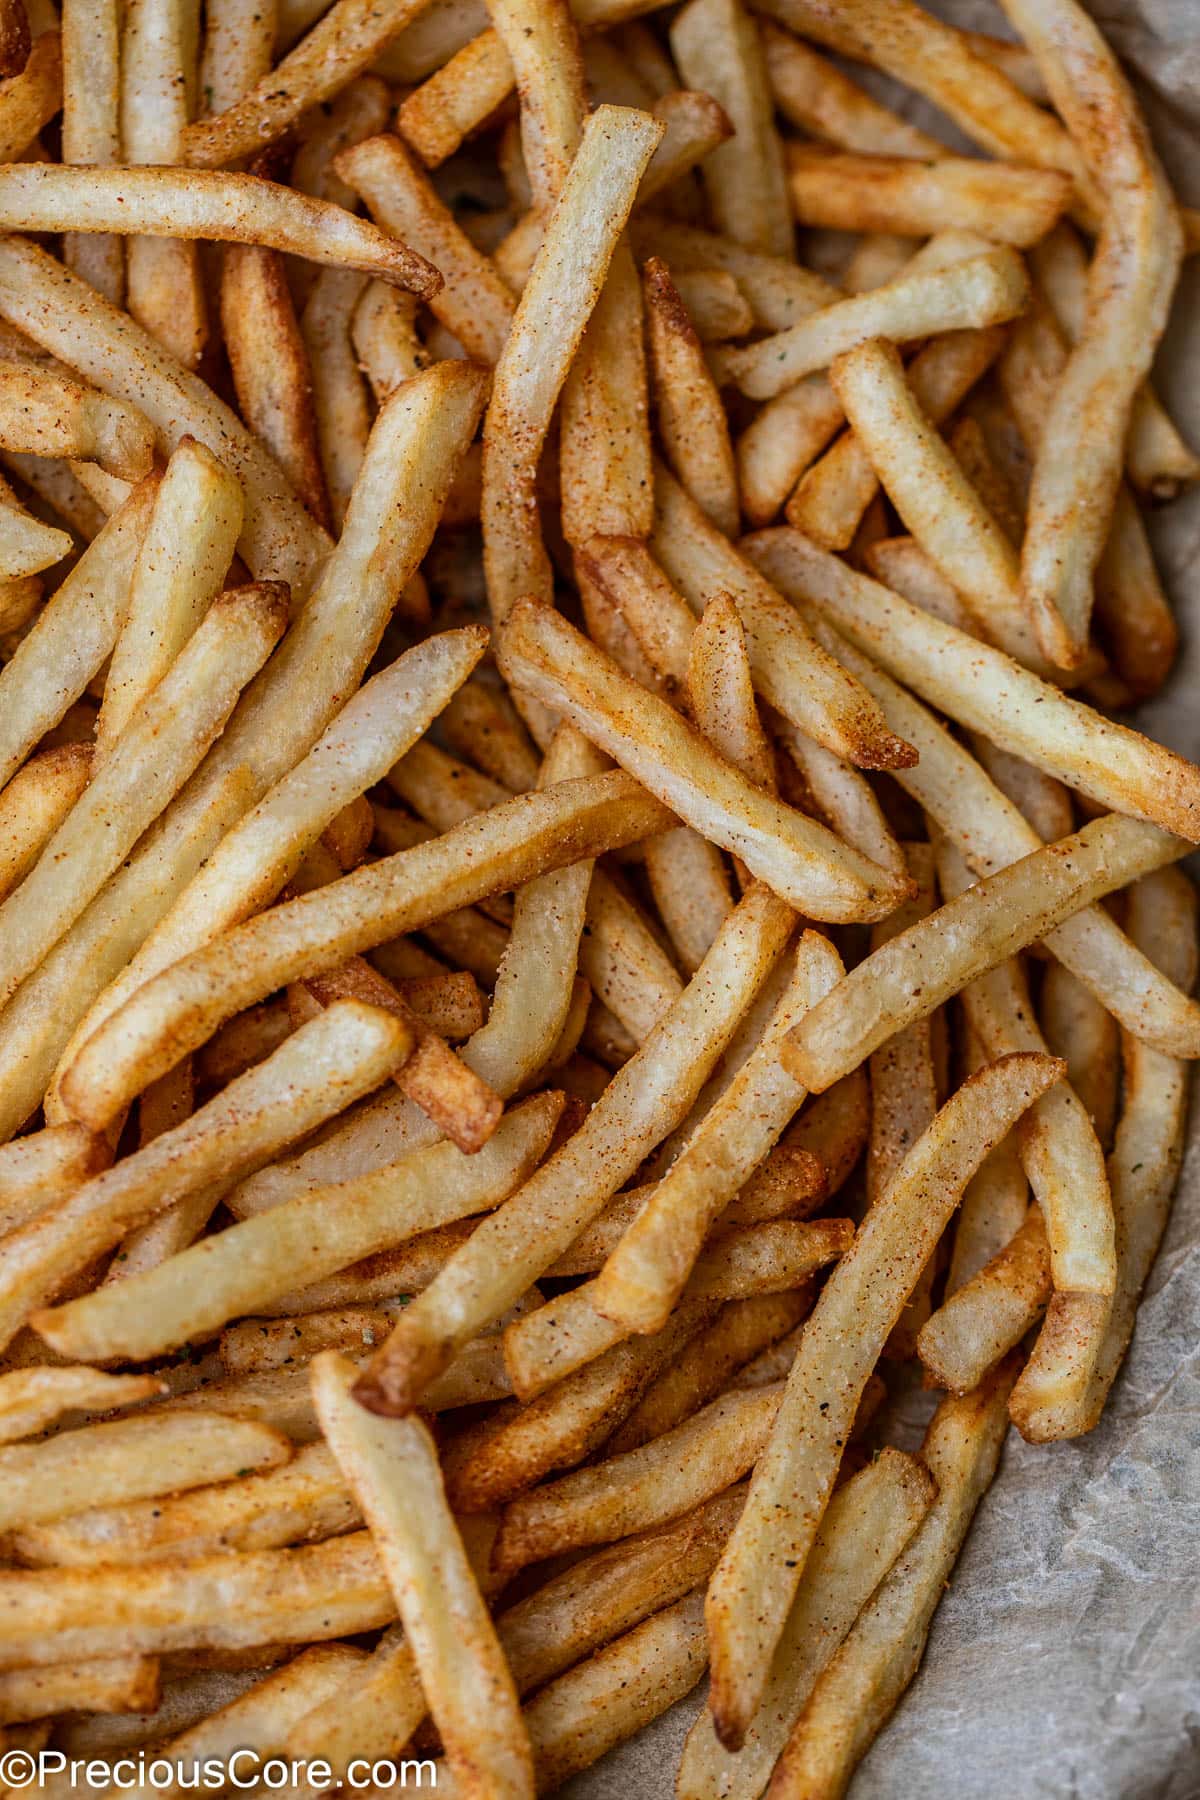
[
  {"x": 644, "y": 1276},
  {"x": 605, "y": 471},
  {"x": 32, "y": 1399},
  {"x": 48, "y": 415},
  {"x": 319, "y": 1070},
  {"x": 91, "y": 125},
  {"x": 319, "y": 1591},
  {"x": 546, "y": 657},
  {"x": 27, "y": 545},
  {"x": 40, "y": 1168},
  {"x": 983, "y": 290},
  {"x": 30, "y": 100},
  {"x": 148, "y": 764},
  {"x": 857, "y": 1692},
  {"x": 691, "y": 419},
  {"x": 989, "y": 1314},
  {"x": 643, "y": 1102},
  {"x": 120, "y": 1684},
  {"x": 623, "y": 960},
  {"x": 643, "y": 1487},
  {"x": 870, "y": 1520},
  {"x": 985, "y": 690},
  {"x": 181, "y": 567},
  {"x": 34, "y": 805},
  {"x": 717, "y": 48},
  {"x": 473, "y": 303},
  {"x": 1131, "y": 280},
  {"x": 813, "y": 94},
  {"x": 859, "y": 1305},
  {"x": 313, "y": 1235},
  {"x": 779, "y": 291},
  {"x": 438, "y": 115},
  {"x": 392, "y": 1467},
  {"x": 549, "y": 321},
  {"x": 1084, "y": 1033},
  {"x": 845, "y": 192},
  {"x": 128, "y": 1459},
  {"x": 543, "y": 48}
]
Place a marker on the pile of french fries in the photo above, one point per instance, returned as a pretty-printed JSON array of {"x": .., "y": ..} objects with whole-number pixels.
[{"x": 531, "y": 1020}]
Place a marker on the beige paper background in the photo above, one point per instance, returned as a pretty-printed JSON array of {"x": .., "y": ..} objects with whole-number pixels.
[{"x": 1064, "y": 1662}]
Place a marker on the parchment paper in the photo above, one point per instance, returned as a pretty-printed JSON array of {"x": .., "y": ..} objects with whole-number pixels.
[{"x": 1064, "y": 1661}]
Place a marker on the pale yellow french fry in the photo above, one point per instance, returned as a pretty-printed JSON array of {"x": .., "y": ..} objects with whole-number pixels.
[
  {"x": 120, "y": 1684},
  {"x": 26, "y": 544},
  {"x": 91, "y": 125},
  {"x": 279, "y": 539},
  {"x": 1080, "y": 1030},
  {"x": 843, "y": 796},
  {"x": 320, "y": 1069},
  {"x": 181, "y": 566},
  {"x": 1131, "y": 280},
  {"x": 73, "y": 636},
  {"x": 981, "y": 291},
  {"x": 623, "y": 960},
  {"x": 691, "y": 419},
  {"x": 691, "y": 891},
  {"x": 869, "y": 1522},
  {"x": 384, "y": 334},
  {"x": 128, "y": 1459},
  {"x": 32, "y": 1399},
  {"x": 643, "y": 1102},
  {"x": 45, "y": 414},
  {"x": 859, "y": 1305},
  {"x": 645, "y": 1274},
  {"x": 392, "y": 1467},
  {"x": 34, "y": 804},
  {"x": 146, "y": 766},
  {"x": 779, "y": 292},
  {"x": 341, "y": 405},
  {"x": 224, "y": 1602},
  {"x": 547, "y": 658},
  {"x": 543, "y": 50},
  {"x": 546, "y": 329},
  {"x": 857, "y": 1693},
  {"x": 994, "y": 1205},
  {"x": 482, "y": 725},
  {"x": 42, "y": 1167},
  {"x": 991, "y": 1312}
]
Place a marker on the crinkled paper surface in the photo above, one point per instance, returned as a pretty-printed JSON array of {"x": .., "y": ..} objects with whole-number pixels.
[{"x": 1064, "y": 1661}]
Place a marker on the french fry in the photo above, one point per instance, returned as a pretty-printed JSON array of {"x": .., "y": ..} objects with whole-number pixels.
[
  {"x": 34, "y": 804},
  {"x": 473, "y": 303},
  {"x": 1084, "y": 1034},
  {"x": 780, "y": 292},
  {"x": 91, "y": 126},
  {"x": 848, "y": 192},
  {"x": 843, "y": 797},
  {"x": 311, "y": 1236},
  {"x": 716, "y": 305},
  {"x": 29, "y": 101},
  {"x": 691, "y": 891},
  {"x": 644, "y": 1276},
  {"x": 451, "y": 103},
  {"x": 189, "y": 1694},
  {"x": 181, "y": 567},
  {"x": 147, "y": 765},
  {"x": 991, "y": 1312},
  {"x": 310, "y": 1078},
  {"x": 546, "y": 329},
  {"x": 225, "y": 1602},
  {"x": 128, "y": 1459},
  {"x": 814, "y": 95},
  {"x": 856, "y": 1694},
  {"x": 47, "y": 415},
  {"x": 880, "y": 1507},
  {"x": 1047, "y": 1403},
  {"x": 794, "y": 1476},
  {"x": 648, "y": 1097},
  {"x": 73, "y": 635},
  {"x": 605, "y": 456},
  {"x": 482, "y": 725},
  {"x": 642, "y": 1488},
  {"x": 1130, "y": 283},
  {"x": 117, "y": 1685},
  {"x": 1111, "y": 763},
  {"x": 691, "y": 419},
  {"x": 279, "y": 540},
  {"x": 623, "y": 961},
  {"x": 26, "y": 545},
  {"x": 994, "y": 1205},
  {"x": 238, "y": 49},
  {"x": 980, "y": 291},
  {"x": 392, "y": 1467},
  {"x": 543, "y": 50},
  {"x": 32, "y": 1399},
  {"x": 384, "y": 334},
  {"x": 274, "y": 392},
  {"x": 784, "y": 440},
  {"x": 40, "y": 1168}
]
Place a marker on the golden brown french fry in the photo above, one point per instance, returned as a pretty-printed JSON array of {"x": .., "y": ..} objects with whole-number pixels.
[
  {"x": 30, "y": 99},
  {"x": 691, "y": 891},
  {"x": 279, "y": 540},
  {"x": 994, "y": 1205},
  {"x": 547, "y": 326},
  {"x": 623, "y": 961},
  {"x": 274, "y": 389},
  {"x": 815, "y": 96},
  {"x": 1130, "y": 283},
  {"x": 980, "y": 291},
  {"x": 47, "y": 415},
  {"x": 605, "y": 469},
  {"x": 547, "y": 658},
  {"x": 352, "y": 1048},
  {"x": 438, "y": 115},
  {"x": 181, "y": 567},
  {"x": 543, "y": 49},
  {"x": 780, "y": 292},
  {"x": 482, "y": 725},
  {"x": 225, "y": 1602},
  {"x": 842, "y": 796},
  {"x": 128, "y": 1459},
  {"x": 859, "y": 1305},
  {"x": 990, "y": 1313},
  {"x": 392, "y": 1467},
  {"x": 644, "y": 1276},
  {"x": 691, "y": 419},
  {"x": 255, "y": 1261},
  {"x": 32, "y": 1399},
  {"x": 848, "y": 192},
  {"x": 34, "y": 804},
  {"x": 856, "y": 1694},
  {"x": 91, "y": 125},
  {"x": 985, "y": 690},
  {"x": 42, "y": 1167},
  {"x": 646, "y": 1099},
  {"x": 473, "y": 303},
  {"x": 868, "y": 1524},
  {"x": 145, "y": 767}
]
